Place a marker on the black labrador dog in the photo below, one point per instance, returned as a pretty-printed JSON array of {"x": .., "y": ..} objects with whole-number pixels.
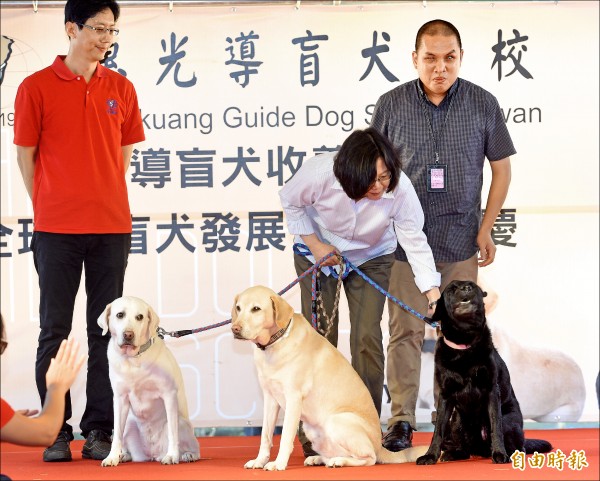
[{"x": 477, "y": 411}]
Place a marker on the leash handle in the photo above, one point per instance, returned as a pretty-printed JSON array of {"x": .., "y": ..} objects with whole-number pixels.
[{"x": 304, "y": 251}]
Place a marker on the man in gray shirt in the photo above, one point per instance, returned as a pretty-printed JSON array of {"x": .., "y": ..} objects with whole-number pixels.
[{"x": 444, "y": 127}]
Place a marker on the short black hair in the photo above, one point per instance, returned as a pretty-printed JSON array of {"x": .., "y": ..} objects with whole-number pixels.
[
  {"x": 437, "y": 27},
  {"x": 355, "y": 164},
  {"x": 79, "y": 11}
]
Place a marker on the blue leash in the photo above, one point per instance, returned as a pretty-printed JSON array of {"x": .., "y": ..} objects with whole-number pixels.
[
  {"x": 428, "y": 320},
  {"x": 302, "y": 250}
]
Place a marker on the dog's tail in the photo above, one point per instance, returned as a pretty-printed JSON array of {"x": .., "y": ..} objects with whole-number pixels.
[
  {"x": 409, "y": 455},
  {"x": 537, "y": 445}
]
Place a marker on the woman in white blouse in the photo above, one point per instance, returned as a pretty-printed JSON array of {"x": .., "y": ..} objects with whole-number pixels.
[{"x": 358, "y": 203}]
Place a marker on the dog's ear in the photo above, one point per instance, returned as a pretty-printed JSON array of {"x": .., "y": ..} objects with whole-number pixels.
[
  {"x": 103, "y": 319},
  {"x": 234, "y": 312},
  {"x": 282, "y": 311},
  {"x": 154, "y": 320}
]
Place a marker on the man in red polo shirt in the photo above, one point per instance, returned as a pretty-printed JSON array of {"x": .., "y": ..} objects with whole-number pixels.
[{"x": 75, "y": 125}]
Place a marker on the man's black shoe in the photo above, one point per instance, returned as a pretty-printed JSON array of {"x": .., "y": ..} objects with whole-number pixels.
[
  {"x": 60, "y": 450},
  {"x": 398, "y": 437},
  {"x": 97, "y": 445}
]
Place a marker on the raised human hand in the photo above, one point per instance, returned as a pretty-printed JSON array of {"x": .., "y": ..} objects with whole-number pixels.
[{"x": 64, "y": 367}]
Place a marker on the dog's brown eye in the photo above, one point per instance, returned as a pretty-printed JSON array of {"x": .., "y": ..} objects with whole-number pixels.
[
  {"x": 237, "y": 308},
  {"x": 139, "y": 317},
  {"x": 255, "y": 308},
  {"x": 120, "y": 315}
]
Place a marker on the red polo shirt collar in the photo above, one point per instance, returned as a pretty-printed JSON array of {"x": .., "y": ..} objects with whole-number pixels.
[{"x": 60, "y": 68}]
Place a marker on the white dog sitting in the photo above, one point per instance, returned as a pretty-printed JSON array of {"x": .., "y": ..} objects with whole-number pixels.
[{"x": 151, "y": 421}]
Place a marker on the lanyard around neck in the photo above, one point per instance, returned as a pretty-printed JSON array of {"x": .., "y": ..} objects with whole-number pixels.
[{"x": 426, "y": 110}]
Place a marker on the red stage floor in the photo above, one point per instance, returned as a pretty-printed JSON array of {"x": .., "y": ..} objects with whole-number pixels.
[{"x": 574, "y": 457}]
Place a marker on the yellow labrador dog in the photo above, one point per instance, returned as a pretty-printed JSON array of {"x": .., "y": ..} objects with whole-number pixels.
[
  {"x": 301, "y": 372},
  {"x": 150, "y": 407}
]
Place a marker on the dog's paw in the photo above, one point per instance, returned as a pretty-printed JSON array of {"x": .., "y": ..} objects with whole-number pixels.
[
  {"x": 336, "y": 462},
  {"x": 500, "y": 457},
  {"x": 111, "y": 460},
  {"x": 275, "y": 466},
  {"x": 426, "y": 460},
  {"x": 454, "y": 456},
  {"x": 126, "y": 457},
  {"x": 314, "y": 461},
  {"x": 255, "y": 463},
  {"x": 170, "y": 459},
  {"x": 189, "y": 457}
]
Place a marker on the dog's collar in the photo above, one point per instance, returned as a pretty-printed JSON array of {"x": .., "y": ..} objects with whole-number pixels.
[
  {"x": 275, "y": 337},
  {"x": 144, "y": 347},
  {"x": 456, "y": 346}
]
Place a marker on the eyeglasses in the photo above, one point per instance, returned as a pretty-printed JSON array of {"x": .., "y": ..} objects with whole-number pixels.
[
  {"x": 101, "y": 30},
  {"x": 383, "y": 179}
]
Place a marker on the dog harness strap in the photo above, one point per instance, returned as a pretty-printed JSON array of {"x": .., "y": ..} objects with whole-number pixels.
[{"x": 275, "y": 337}]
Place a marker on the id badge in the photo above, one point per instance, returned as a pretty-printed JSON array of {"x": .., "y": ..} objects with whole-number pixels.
[{"x": 437, "y": 177}]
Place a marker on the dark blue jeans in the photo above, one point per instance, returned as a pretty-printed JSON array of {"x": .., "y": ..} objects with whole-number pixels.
[{"x": 59, "y": 261}]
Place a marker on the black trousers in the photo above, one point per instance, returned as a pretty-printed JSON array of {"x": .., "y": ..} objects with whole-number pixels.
[{"x": 59, "y": 261}]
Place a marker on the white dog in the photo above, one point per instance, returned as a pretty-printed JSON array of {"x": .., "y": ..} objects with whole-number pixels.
[
  {"x": 300, "y": 371},
  {"x": 150, "y": 407}
]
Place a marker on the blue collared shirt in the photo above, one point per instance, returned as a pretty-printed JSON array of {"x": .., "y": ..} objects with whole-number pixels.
[{"x": 467, "y": 126}]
